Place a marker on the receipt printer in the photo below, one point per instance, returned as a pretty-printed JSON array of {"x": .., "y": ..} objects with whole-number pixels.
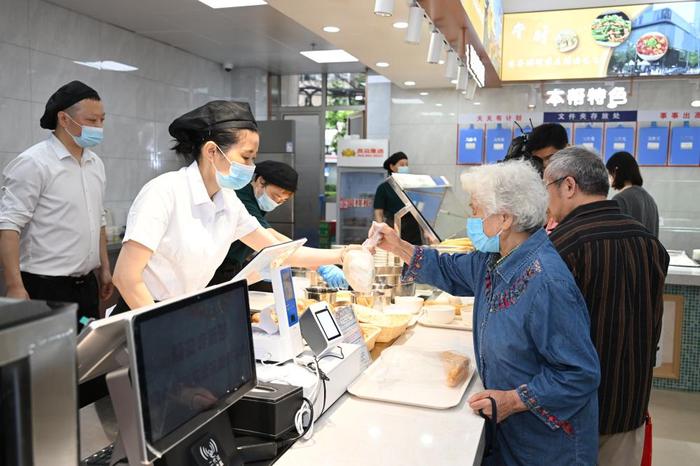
[{"x": 267, "y": 411}]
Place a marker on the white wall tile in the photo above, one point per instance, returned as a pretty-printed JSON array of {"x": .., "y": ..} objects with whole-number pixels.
[
  {"x": 38, "y": 133},
  {"x": 15, "y": 125},
  {"x": 128, "y": 137},
  {"x": 171, "y": 102},
  {"x": 49, "y": 72},
  {"x": 14, "y": 25},
  {"x": 14, "y": 79},
  {"x": 127, "y": 95},
  {"x": 64, "y": 33}
]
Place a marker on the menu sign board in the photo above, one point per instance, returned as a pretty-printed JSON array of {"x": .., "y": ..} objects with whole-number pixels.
[{"x": 635, "y": 40}]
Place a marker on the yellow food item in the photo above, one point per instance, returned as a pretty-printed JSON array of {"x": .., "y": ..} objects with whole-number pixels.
[{"x": 456, "y": 367}]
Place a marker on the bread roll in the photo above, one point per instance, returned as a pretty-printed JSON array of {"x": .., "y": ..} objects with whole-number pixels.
[{"x": 456, "y": 367}]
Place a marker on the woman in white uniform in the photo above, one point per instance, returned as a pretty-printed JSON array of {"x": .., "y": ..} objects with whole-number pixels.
[{"x": 182, "y": 223}]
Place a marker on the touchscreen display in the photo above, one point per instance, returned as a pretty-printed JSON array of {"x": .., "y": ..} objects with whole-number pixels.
[
  {"x": 192, "y": 357},
  {"x": 328, "y": 324}
]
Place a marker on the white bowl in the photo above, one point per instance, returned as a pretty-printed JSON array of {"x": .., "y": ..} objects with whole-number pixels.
[
  {"x": 440, "y": 313},
  {"x": 412, "y": 304},
  {"x": 396, "y": 309},
  {"x": 468, "y": 317}
]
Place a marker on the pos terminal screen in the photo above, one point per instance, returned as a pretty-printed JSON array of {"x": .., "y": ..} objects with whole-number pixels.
[{"x": 194, "y": 359}]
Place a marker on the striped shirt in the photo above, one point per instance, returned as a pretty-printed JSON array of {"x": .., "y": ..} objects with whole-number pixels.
[{"x": 620, "y": 268}]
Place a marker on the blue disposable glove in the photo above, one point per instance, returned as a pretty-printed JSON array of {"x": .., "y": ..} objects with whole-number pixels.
[{"x": 333, "y": 276}]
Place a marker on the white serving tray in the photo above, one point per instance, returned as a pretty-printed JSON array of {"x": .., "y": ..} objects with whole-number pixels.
[
  {"x": 435, "y": 395},
  {"x": 457, "y": 324}
]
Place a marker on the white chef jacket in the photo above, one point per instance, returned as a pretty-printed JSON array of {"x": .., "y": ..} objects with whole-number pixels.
[
  {"x": 56, "y": 204},
  {"x": 189, "y": 233}
]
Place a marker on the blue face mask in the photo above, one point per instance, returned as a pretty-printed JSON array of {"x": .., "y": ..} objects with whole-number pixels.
[
  {"x": 238, "y": 175},
  {"x": 404, "y": 169},
  {"x": 482, "y": 242},
  {"x": 90, "y": 136},
  {"x": 266, "y": 203}
]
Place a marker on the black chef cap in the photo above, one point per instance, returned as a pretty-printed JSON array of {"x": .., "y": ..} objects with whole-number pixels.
[
  {"x": 395, "y": 158},
  {"x": 278, "y": 173},
  {"x": 215, "y": 115},
  {"x": 67, "y": 95}
]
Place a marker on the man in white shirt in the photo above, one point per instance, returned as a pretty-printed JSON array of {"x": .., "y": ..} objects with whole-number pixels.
[{"x": 52, "y": 224}]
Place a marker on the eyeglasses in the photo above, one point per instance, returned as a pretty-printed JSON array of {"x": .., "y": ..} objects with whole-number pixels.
[{"x": 559, "y": 180}]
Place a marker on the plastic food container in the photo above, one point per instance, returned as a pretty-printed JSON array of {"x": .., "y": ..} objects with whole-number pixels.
[{"x": 440, "y": 313}]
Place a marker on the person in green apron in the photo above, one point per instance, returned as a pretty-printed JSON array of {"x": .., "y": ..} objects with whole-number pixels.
[
  {"x": 274, "y": 183},
  {"x": 387, "y": 203}
]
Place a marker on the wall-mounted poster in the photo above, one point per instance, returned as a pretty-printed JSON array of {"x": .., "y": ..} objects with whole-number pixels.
[
  {"x": 685, "y": 145},
  {"x": 652, "y": 145},
  {"x": 618, "y": 139},
  {"x": 633, "y": 40},
  {"x": 590, "y": 137},
  {"x": 470, "y": 146},
  {"x": 497, "y": 143}
]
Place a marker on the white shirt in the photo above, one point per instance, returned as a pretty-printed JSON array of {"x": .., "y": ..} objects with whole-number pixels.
[
  {"x": 56, "y": 204},
  {"x": 189, "y": 233}
]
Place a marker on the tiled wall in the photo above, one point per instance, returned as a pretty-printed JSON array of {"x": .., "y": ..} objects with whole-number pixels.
[
  {"x": 39, "y": 43},
  {"x": 427, "y": 132}
]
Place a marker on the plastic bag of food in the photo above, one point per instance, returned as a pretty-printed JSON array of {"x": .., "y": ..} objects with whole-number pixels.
[
  {"x": 456, "y": 367},
  {"x": 358, "y": 266}
]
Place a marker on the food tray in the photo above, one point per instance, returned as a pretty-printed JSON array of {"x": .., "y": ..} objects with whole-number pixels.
[
  {"x": 457, "y": 324},
  {"x": 434, "y": 396},
  {"x": 370, "y": 334}
]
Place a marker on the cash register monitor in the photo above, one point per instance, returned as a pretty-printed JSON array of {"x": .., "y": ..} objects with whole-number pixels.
[{"x": 191, "y": 360}]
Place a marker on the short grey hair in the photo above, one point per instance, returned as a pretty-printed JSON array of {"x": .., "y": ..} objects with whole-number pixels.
[
  {"x": 513, "y": 188},
  {"x": 584, "y": 166}
]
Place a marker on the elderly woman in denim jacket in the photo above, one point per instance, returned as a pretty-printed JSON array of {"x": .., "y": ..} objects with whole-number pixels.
[{"x": 531, "y": 327}]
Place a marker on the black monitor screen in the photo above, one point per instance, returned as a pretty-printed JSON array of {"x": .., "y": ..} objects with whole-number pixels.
[{"x": 194, "y": 359}]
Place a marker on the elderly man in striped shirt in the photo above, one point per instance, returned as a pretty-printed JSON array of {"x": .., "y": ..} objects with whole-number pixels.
[{"x": 620, "y": 268}]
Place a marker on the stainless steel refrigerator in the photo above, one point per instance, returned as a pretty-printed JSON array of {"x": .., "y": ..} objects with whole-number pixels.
[{"x": 291, "y": 142}]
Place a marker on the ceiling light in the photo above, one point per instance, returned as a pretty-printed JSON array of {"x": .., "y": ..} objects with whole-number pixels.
[
  {"x": 453, "y": 81},
  {"x": 409, "y": 83},
  {"x": 425, "y": 93},
  {"x": 331, "y": 29},
  {"x": 471, "y": 89},
  {"x": 382, "y": 64},
  {"x": 435, "y": 47},
  {"x": 384, "y": 7},
  {"x": 532, "y": 98},
  {"x": 329, "y": 56},
  {"x": 232, "y": 3},
  {"x": 451, "y": 66},
  {"x": 415, "y": 23},
  {"x": 359, "y": 97},
  {"x": 476, "y": 103},
  {"x": 441, "y": 62},
  {"x": 695, "y": 103},
  {"x": 107, "y": 65},
  {"x": 462, "y": 78},
  {"x": 413, "y": 101},
  {"x": 438, "y": 105},
  {"x": 401, "y": 25}
]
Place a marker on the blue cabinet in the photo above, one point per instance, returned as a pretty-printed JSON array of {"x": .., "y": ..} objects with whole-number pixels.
[
  {"x": 471, "y": 146},
  {"x": 685, "y": 145},
  {"x": 618, "y": 139},
  {"x": 652, "y": 145}
]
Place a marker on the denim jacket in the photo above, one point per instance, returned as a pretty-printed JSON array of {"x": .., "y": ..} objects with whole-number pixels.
[{"x": 531, "y": 334}]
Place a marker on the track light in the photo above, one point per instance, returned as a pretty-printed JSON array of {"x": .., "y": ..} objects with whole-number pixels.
[
  {"x": 532, "y": 97},
  {"x": 435, "y": 47},
  {"x": 695, "y": 100},
  {"x": 462, "y": 77},
  {"x": 415, "y": 23},
  {"x": 384, "y": 7},
  {"x": 471, "y": 90},
  {"x": 451, "y": 65}
]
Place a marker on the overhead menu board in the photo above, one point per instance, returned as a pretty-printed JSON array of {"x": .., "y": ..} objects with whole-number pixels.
[
  {"x": 618, "y": 139},
  {"x": 685, "y": 145},
  {"x": 590, "y": 137},
  {"x": 497, "y": 143},
  {"x": 652, "y": 145},
  {"x": 471, "y": 145},
  {"x": 635, "y": 40}
]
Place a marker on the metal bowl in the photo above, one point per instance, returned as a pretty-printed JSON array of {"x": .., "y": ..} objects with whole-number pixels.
[
  {"x": 405, "y": 289},
  {"x": 320, "y": 293}
]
